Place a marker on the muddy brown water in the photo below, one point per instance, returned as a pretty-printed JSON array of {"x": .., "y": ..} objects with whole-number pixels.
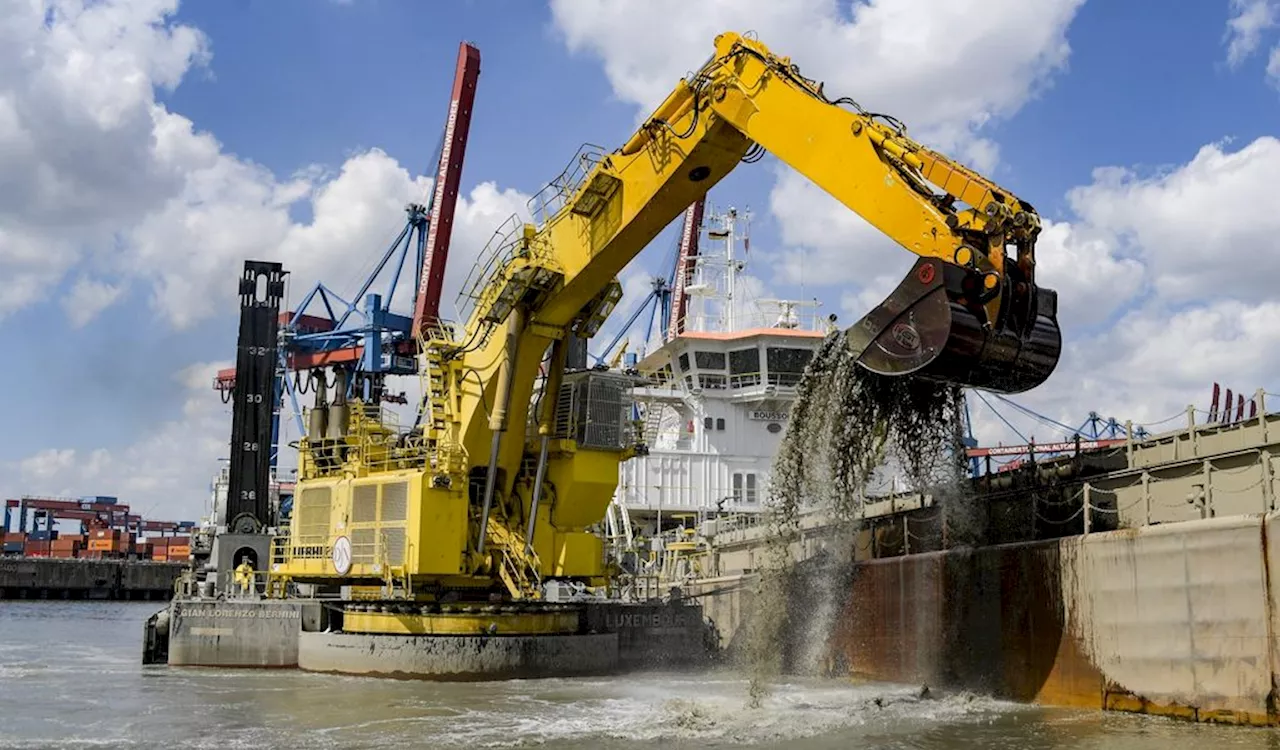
[{"x": 70, "y": 677}]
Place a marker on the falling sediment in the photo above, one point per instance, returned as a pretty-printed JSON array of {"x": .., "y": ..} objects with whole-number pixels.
[{"x": 847, "y": 427}]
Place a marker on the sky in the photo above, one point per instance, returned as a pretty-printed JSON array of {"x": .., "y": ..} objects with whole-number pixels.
[{"x": 148, "y": 147}]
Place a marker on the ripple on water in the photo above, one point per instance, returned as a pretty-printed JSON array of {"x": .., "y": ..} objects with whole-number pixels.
[{"x": 95, "y": 693}]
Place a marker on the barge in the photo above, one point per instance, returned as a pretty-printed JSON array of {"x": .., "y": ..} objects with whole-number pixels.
[{"x": 1141, "y": 577}]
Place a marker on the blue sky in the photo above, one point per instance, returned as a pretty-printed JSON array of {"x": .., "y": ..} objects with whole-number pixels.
[{"x": 149, "y": 223}]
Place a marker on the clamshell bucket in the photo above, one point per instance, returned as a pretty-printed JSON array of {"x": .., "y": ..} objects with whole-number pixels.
[{"x": 923, "y": 329}]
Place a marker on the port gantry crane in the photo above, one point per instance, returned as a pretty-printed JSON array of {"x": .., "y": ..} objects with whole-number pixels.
[
  {"x": 493, "y": 498},
  {"x": 330, "y": 343}
]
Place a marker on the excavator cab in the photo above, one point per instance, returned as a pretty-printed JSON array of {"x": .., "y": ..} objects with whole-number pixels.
[{"x": 935, "y": 326}]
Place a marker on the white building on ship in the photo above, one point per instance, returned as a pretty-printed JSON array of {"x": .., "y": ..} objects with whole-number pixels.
[{"x": 719, "y": 387}]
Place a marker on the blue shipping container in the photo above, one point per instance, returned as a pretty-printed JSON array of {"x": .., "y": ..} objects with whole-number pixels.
[
  {"x": 42, "y": 536},
  {"x": 13, "y": 547}
]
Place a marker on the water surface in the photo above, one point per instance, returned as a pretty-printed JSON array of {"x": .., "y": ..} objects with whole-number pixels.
[{"x": 70, "y": 676}]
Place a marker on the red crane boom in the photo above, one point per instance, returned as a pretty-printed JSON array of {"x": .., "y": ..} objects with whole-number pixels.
[
  {"x": 684, "y": 267},
  {"x": 448, "y": 177}
]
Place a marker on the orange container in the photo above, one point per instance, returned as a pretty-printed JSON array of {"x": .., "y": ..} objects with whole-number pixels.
[{"x": 178, "y": 553}]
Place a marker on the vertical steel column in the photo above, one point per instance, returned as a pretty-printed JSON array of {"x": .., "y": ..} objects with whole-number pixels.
[
  {"x": 546, "y": 424},
  {"x": 498, "y": 418},
  {"x": 253, "y": 408}
]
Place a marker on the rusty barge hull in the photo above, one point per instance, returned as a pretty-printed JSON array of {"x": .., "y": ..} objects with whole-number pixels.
[{"x": 1175, "y": 619}]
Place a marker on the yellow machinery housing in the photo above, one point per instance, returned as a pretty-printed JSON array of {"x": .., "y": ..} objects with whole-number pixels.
[{"x": 514, "y": 460}]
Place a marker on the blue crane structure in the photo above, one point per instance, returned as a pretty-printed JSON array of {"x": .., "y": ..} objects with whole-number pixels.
[{"x": 360, "y": 338}]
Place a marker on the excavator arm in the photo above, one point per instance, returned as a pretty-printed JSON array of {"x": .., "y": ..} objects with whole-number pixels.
[
  {"x": 968, "y": 313},
  {"x": 486, "y": 507}
]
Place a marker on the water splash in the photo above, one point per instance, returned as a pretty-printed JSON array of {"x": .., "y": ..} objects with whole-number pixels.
[{"x": 847, "y": 428}]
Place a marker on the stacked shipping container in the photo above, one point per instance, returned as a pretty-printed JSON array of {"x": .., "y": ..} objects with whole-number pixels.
[{"x": 97, "y": 544}]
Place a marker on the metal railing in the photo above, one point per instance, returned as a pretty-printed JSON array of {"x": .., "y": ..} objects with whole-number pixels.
[
  {"x": 555, "y": 195},
  {"x": 373, "y": 442},
  {"x": 496, "y": 253}
]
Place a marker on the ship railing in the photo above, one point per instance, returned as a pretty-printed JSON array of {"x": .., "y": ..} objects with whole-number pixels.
[
  {"x": 715, "y": 322},
  {"x": 721, "y": 381},
  {"x": 784, "y": 379}
]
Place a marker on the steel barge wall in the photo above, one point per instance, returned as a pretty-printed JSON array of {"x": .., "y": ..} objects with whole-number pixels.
[
  {"x": 278, "y": 632},
  {"x": 1174, "y": 619},
  {"x": 1159, "y": 594}
]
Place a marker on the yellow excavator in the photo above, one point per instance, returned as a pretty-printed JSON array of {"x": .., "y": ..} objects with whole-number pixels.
[{"x": 488, "y": 503}]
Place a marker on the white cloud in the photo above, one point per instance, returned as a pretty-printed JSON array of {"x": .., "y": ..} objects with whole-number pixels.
[
  {"x": 1163, "y": 281},
  {"x": 101, "y": 183},
  {"x": 1082, "y": 264},
  {"x": 48, "y": 464},
  {"x": 87, "y": 298},
  {"x": 161, "y": 475},
  {"x": 76, "y": 139},
  {"x": 94, "y": 170},
  {"x": 1203, "y": 229},
  {"x": 1200, "y": 238},
  {"x": 1249, "y": 19},
  {"x": 895, "y": 56}
]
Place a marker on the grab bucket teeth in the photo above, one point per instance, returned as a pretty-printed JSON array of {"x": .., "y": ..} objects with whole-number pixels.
[{"x": 922, "y": 330}]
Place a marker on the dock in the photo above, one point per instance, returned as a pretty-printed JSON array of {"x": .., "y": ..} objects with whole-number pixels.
[{"x": 52, "y": 578}]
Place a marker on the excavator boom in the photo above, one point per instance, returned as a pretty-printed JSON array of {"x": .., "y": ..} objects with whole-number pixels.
[
  {"x": 968, "y": 313},
  {"x": 487, "y": 496}
]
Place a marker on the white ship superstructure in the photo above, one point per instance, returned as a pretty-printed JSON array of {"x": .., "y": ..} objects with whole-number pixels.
[{"x": 719, "y": 388}]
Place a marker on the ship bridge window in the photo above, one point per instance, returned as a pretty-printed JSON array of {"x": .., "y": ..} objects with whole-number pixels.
[
  {"x": 744, "y": 368},
  {"x": 684, "y": 362},
  {"x": 711, "y": 382},
  {"x": 744, "y": 488},
  {"x": 786, "y": 364},
  {"x": 709, "y": 360}
]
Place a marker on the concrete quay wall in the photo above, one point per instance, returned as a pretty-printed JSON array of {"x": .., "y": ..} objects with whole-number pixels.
[{"x": 52, "y": 578}]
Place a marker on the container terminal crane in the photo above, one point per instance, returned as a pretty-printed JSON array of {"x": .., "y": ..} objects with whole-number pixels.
[{"x": 468, "y": 544}]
